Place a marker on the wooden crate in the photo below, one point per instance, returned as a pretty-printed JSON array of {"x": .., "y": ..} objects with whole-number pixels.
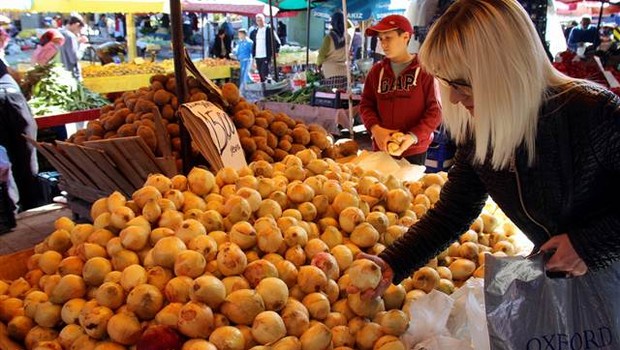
[
  {"x": 98, "y": 168},
  {"x": 14, "y": 266}
]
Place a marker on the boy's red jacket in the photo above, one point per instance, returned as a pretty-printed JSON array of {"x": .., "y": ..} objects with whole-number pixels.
[{"x": 409, "y": 103}]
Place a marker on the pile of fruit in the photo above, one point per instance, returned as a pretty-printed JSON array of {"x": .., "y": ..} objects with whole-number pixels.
[
  {"x": 114, "y": 69},
  {"x": 269, "y": 136},
  {"x": 132, "y": 114},
  {"x": 252, "y": 259}
]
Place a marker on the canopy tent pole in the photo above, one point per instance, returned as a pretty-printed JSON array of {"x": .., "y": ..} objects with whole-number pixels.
[
  {"x": 273, "y": 44},
  {"x": 308, "y": 35},
  {"x": 348, "y": 65},
  {"x": 204, "y": 45},
  {"x": 131, "y": 37},
  {"x": 600, "y": 17},
  {"x": 176, "y": 24}
]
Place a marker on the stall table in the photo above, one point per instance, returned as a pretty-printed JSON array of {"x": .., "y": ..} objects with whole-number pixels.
[{"x": 49, "y": 121}]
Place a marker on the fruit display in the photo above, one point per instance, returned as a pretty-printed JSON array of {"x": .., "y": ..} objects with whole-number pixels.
[
  {"x": 51, "y": 89},
  {"x": 145, "y": 67},
  {"x": 116, "y": 69},
  {"x": 269, "y": 136},
  {"x": 258, "y": 258},
  {"x": 132, "y": 114}
]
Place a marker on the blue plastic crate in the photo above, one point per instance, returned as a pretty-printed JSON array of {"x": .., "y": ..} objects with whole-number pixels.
[{"x": 439, "y": 157}]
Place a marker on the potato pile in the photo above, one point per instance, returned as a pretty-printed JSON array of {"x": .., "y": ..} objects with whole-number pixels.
[
  {"x": 269, "y": 136},
  {"x": 258, "y": 258}
]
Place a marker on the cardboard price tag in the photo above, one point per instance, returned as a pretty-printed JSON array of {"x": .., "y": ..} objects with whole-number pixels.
[{"x": 214, "y": 133}]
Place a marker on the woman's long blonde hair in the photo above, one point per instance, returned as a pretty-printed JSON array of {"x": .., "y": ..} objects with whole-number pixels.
[{"x": 493, "y": 45}]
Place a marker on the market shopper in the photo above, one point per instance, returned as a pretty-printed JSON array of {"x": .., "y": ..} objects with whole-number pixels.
[
  {"x": 4, "y": 41},
  {"x": 266, "y": 45},
  {"x": 72, "y": 50},
  {"x": 333, "y": 54},
  {"x": 243, "y": 52},
  {"x": 584, "y": 33},
  {"x": 16, "y": 121},
  {"x": 49, "y": 47},
  {"x": 222, "y": 46},
  {"x": 399, "y": 96},
  {"x": 544, "y": 146}
]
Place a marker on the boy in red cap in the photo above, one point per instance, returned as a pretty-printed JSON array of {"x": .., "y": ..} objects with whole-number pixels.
[{"x": 398, "y": 95}]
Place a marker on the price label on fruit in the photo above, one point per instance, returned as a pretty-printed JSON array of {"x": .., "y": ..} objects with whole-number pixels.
[{"x": 214, "y": 133}]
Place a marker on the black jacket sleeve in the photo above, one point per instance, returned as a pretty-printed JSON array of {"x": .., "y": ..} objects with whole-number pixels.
[
  {"x": 460, "y": 202},
  {"x": 598, "y": 240}
]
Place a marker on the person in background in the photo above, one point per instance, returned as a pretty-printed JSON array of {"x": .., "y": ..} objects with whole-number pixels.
[
  {"x": 16, "y": 121},
  {"x": 243, "y": 52},
  {"x": 543, "y": 145},
  {"x": 569, "y": 27},
  {"x": 50, "y": 44},
  {"x": 228, "y": 27},
  {"x": 266, "y": 46},
  {"x": 333, "y": 54},
  {"x": 4, "y": 41},
  {"x": 222, "y": 46},
  {"x": 398, "y": 94},
  {"x": 585, "y": 32},
  {"x": 72, "y": 50},
  {"x": 102, "y": 25},
  {"x": 356, "y": 45},
  {"x": 282, "y": 32}
]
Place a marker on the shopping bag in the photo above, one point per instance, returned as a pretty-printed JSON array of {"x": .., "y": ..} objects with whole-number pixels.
[
  {"x": 528, "y": 310},
  {"x": 429, "y": 317},
  {"x": 468, "y": 318}
]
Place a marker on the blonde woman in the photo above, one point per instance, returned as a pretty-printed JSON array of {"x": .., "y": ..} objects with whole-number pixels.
[{"x": 544, "y": 146}]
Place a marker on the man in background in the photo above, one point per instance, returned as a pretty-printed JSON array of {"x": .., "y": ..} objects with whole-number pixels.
[
  {"x": 282, "y": 32},
  {"x": 266, "y": 45},
  {"x": 71, "y": 52},
  {"x": 585, "y": 32}
]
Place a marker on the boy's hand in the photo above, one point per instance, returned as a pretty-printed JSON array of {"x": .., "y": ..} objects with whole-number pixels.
[{"x": 381, "y": 136}]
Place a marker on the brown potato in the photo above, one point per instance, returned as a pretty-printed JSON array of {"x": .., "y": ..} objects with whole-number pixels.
[
  {"x": 198, "y": 96},
  {"x": 173, "y": 129},
  {"x": 149, "y": 123},
  {"x": 272, "y": 140},
  {"x": 171, "y": 85},
  {"x": 231, "y": 94},
  {"x": 241, "y": 106},
  {"x": 131, "y": 103},
  {"x": 167, "y": 112},
  {"x": 261, "y": 144},
  {"x": 174, "y": 102},
  {"x": 148, "y": 135},
  {"x": 284, "y": 145},
  {"x": 260, "y": 155},
  {"x": 130, "y": 118},
  {"x": 244, "y": 119},
  {"x": 148, "y": 116},
  {"x": 115, "y": 121},
  {"x": 108, "y": 135},
  {"x": 332, "y": 152},
  {"x": 288, "y": 138},
  {"x": 157, "y": 85},
  {"x": 158, "y": 77},
  {"x": 192, "y": 82},
  {"x": 319, "y": 139},
  {"x": 267, "y": 115},
  {"x": 162, "y": 97},
  {"x": 301, "y": 136},
  {"x": 279, "y": 128},
  {"x": 176, "y": 144},
  {"x": 94, "y": 138},
  {"x": 262, "y": 122},
  {"x": 243, "y": 132},
  {"x": 144, "y": 105},
  {"x": 348, "y": 148},
  {"x": 279, "y": 154},
  {"x": 248, "y": 144},
  {"x": 296, "y": 148},
  {"x": 94, "y": 128},
  {"x": 258, "y": 131},
  {"x": 126, "y": 130}
]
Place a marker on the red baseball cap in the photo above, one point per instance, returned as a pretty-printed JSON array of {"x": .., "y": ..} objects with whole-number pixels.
[{"x": 389, "y": 23}]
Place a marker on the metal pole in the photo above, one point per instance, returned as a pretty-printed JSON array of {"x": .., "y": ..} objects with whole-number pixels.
[
  {"x": 308, "y": 35},
  {"x": 176, "y": 24},
  {"x": 348, "y": 64},
  {"x": 202, "y": 18},
  {"x": 273, "y": 44},
  {"x": 600, "y": 18}
]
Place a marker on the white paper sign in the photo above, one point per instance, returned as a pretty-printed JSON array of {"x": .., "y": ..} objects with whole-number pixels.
[{"x": 224, "y": 139}]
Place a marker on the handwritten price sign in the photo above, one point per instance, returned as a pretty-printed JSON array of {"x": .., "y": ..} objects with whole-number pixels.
[{"x": 221, "y": 135}]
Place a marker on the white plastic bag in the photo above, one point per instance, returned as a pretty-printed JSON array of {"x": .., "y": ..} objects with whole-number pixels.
[
  {"x": 457, "y": 321},
  {"x": 468, "y": 318},
  {"x": 427, "y": 328}
]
